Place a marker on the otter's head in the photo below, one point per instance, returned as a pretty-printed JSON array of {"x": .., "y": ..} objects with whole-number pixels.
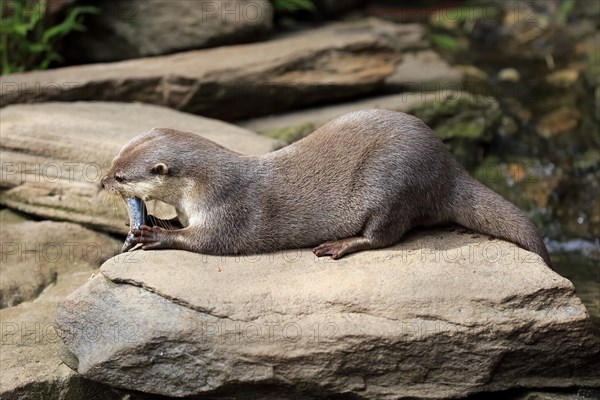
[{"x": 141, "y": 168}]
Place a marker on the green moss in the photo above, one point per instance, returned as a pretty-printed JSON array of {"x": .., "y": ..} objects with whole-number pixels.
[
  {"x": 469, "y": 116},
  {"x": 592, "y": 64},
  {"x": 487, "y": 172},
  {"x": 469, "y": 129},
  {"x": 290, "y": 134},
  {"x": 465, "y": 123}
]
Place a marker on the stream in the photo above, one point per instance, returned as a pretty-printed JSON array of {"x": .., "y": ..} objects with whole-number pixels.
[{"x": 541, "y": 62}]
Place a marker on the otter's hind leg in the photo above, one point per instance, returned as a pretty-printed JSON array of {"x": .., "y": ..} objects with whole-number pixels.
[
  {"x": 339, "y": 248},
  {"x": 374, "y": 236}
]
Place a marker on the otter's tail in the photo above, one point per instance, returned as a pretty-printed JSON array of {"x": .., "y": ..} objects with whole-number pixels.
[{"x": 477, "y": 207}]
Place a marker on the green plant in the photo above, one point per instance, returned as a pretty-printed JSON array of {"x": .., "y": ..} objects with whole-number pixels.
[
  {"x": 447, "y": 42},
  {"x": 28, "y": 39},
  {"x": 564, "y": 10},
  {"x": 290, "y": 6}
]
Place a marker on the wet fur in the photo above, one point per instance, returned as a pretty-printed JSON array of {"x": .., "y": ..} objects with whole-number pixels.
[{"x": 361, "y": 181}]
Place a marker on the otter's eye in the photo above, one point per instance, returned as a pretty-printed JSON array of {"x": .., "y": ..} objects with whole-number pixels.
[{"x": 119, "y": 178}]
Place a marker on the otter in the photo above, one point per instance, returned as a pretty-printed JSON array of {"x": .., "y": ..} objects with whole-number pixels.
[{"x": 359, "y": 182}]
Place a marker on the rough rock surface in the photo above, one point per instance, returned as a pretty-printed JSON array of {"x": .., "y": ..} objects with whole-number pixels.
[
  {"x": 136, "y": 28},
  {"x": 30, "y": 365},
  {"x": 54, "y": 154},
  {"x": 334, "y": 62},
  {"x": 42, "y": 262},
  {"x": 301, "y": 123},
  {"x": 8, "y": 216},
  {"x": 443, "y": 314},
  {"x": 424, "y": 71},
  {"x": 34, "y": 253}
]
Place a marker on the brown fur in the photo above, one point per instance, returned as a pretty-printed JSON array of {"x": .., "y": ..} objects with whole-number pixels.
[{"x": 359, "y": 182}]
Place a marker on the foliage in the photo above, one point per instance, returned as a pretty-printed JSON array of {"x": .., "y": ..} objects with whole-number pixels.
[
  {"x": 290, "y": 6},
  {"x": 565, "y": 9},
  {"x": 447, "y": 42},
  {"x": 290, "y": 134},
  {"x": 28, "y": 39}
]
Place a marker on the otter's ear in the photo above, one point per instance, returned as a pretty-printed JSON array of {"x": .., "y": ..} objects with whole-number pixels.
[{"x": 160, "y": 169}]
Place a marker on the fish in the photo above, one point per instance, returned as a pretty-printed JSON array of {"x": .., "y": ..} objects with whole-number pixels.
[{"x": 138, "y": 216}]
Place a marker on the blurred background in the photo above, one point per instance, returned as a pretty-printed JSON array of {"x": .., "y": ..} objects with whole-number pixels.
[{"x": 512, "y": 87}]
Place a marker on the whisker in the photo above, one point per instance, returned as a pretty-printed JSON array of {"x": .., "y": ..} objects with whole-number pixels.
[{"x": 161, "y": 222}]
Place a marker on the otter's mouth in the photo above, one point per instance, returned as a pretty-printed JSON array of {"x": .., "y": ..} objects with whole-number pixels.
[
  {"x": 138, "y": 215},
  {"x": 118, "y": 191}
]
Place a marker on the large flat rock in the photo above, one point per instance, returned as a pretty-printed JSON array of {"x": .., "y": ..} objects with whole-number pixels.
[
  {"x": 424, "y": 71},
  {"x": 329, "y": 63},
  {"x": 35, "y": 253},
  {"x": 30, "y": 366},
  {"x": 42, "y": 262},
  {"x": 310, "y": 119},
  {"x": 54, "y": 154},
  {"x": 443, "y": 314},
  {"x": 136, "y": 28}
]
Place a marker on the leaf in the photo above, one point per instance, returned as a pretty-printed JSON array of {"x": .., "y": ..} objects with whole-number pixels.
[
  {"x": 52, "y": 56},
  {"x": 293, "y": 5},
  {"x": 70, "y": 23},
  {"x": 80, "y": 10},
  {"x": 21, "y": 29},
  {"x": 37, "y": 47},
  {"x": 28, "y": 42},
  {"x": 446, "y": 42},
  {"x": 35, "y": 15},
  {"x": 457, "y": 14},
  {"x": 564, "y": 10},
  {"x": 57, "y": 30}
]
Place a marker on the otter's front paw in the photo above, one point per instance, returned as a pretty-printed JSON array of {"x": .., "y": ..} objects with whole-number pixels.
[{"x": 151, "y": 237}]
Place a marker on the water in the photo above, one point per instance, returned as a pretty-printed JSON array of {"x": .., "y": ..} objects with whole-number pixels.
[{"x": 584, "y": 272}]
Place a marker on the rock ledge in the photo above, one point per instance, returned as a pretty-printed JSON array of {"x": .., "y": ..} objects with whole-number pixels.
[{"x": 443, "y": 314}]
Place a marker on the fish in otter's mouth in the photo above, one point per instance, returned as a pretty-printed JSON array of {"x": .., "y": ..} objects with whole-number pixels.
[{"x": 136, "y": 209}]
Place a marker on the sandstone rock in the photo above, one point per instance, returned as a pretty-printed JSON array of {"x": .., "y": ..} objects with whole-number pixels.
[
  {"x": 563, "y": 79},
  {"x": 531, "y": 38},
  {"x": 136, "y": 28},
  {"x": 441, "y": 315},
  {"x": 31, "y": 367},
  {"x": 424, "y": 71},
  {"x": 558, "y": 122},
  {"x": 54, "y": 154},
  {"x": 292, "y": 126},
  {"x": 330, "y": 63},
  {"x": 509, "y": 75},
  {"x": 8, "y": 216},
  {"x": 474, "y": 77},
  {"x": 466, "y": 122},
  {"x": 581, "y": 394},
  {"x": 34, "y": 253}
]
